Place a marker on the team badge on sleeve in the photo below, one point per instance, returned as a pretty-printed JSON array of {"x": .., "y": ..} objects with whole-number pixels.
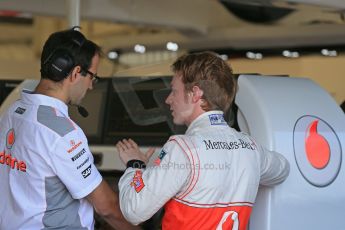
[
  {"x": 138, "y": 182},
  {"x": 157, "y": 162}
]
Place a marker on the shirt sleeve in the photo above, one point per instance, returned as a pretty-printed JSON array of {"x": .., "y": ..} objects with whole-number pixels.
[
  {"x": 274, "y": 167},
  {"x": 144, "y": 192},
  {"x": 74, "y": 164}
]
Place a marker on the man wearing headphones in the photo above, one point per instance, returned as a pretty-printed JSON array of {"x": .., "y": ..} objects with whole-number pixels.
[{"x": 47, "y": 176}]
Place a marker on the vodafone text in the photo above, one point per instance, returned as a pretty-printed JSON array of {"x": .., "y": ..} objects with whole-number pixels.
[{"x": 12, "y": 162}]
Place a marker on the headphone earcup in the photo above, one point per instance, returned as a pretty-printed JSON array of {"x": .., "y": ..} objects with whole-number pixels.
[{"x": 60, "y": 64}]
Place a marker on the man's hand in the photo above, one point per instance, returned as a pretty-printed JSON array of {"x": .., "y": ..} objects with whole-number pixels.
[
  {"x": 129, "y": 150},
  {"x": 106, "y": 203}
]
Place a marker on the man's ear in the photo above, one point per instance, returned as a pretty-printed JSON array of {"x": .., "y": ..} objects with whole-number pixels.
[
  {"x": 74, "y": 73},
  {"x": 197, "y": 93}
]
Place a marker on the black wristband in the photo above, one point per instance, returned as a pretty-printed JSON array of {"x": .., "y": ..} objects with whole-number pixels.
[{"x": 136, "y": 164}]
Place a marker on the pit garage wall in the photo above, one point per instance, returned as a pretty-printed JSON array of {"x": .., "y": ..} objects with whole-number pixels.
[{"x": 328, "y": 72}]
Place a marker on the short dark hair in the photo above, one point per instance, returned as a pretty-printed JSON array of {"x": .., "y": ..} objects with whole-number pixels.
[
  {"x": 210, "y": 73},
  {"x": 69, "y": 42}
]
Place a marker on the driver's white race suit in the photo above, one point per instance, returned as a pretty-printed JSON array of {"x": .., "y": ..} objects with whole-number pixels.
[{"x": 205, "y": 179}]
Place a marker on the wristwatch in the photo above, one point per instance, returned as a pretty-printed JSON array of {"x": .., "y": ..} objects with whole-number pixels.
[{"x": 136, "y": 164}]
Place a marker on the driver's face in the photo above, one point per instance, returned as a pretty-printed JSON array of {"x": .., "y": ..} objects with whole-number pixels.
[{"x": 179, "y": 102}]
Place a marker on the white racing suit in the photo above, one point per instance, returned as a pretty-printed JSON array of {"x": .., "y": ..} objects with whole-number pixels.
[{"x": 206, "y": 179}]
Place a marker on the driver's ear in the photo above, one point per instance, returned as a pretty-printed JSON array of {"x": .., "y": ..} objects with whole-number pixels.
[{"x": 197, "y": 93}]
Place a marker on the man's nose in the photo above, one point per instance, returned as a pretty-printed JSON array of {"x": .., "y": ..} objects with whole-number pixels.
[{"x": 167, "y": 101}]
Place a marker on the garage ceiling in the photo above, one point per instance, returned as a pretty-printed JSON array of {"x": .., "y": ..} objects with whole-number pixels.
[{"x": 193, "y": 25}]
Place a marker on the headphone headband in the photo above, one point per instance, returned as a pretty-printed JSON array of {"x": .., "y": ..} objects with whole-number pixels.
[{"x": 61, "y": 61}]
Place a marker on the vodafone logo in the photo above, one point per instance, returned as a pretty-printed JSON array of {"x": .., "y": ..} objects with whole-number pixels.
[
  {"x": 316, "y": 147},
  {"x": 10, "y": 138},
  {"x": 317, "y": 150}
]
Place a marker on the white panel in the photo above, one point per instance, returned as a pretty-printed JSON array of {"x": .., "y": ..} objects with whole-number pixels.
[{"x": 277, "y": 111}]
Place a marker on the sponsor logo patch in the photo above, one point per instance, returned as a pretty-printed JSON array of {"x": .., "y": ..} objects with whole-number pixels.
[
  {"x": 7, "y": 158},
  {"x": 240, "y": 144},
  {"x": 10, "y": 138},
  {"x": 162, "y": 154},
  {"x": 217, "y": 119},
  {"x": 138, "y": 182},
  {"x": 78, "y": 155},
  {"x": 82, "y": 164},
  {"x": 86, "y": 172},
  {"x": 74, "y": 147},
  {"x": 20, "y": 110}
]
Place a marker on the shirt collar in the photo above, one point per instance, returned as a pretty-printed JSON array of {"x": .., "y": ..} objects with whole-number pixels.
[
  {"x": 207, "y": 119},
  {"x": 30, "y": 97}
]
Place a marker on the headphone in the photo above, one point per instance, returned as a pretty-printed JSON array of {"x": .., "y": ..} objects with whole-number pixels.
[{"x": 60, "y": 62}]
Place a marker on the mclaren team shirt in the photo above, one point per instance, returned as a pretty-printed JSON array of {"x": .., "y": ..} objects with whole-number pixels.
[{"x": 46, "y": 167}]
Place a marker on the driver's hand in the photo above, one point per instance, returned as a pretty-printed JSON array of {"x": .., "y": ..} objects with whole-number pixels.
[{"x": 129, "y": 150}]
